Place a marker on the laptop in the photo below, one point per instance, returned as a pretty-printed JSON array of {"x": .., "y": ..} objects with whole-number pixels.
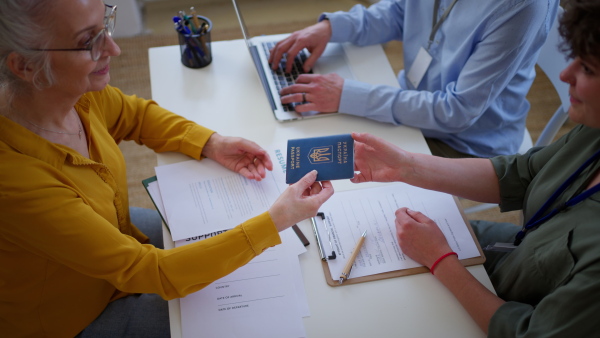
[{"x": 365, "y": 64}]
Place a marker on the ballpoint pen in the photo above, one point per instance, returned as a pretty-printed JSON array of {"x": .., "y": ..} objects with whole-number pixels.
[
  {"x": 346, "y": 272},
  {"x": 188, "y": 57},
  {"x": 195, "y": 20}
]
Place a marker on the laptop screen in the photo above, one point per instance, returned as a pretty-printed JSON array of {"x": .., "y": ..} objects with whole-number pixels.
[
  {"x": 242, "y": 23},
  {"x": 255, "y": 58}
]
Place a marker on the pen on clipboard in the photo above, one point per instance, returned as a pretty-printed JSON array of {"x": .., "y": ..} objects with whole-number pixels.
[{"x": 346, "y": 272}]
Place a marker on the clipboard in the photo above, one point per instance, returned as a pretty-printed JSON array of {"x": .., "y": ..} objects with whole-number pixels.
[{"x": 409, "y": 271}]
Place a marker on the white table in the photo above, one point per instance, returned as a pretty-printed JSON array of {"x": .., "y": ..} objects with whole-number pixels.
[{"x": 227, "y": 97}]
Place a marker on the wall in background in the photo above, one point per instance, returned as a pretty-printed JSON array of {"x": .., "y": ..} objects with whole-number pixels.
[{"x": 129, "y": 18}]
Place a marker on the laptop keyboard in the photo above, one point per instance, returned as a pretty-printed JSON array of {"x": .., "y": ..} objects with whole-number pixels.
[{"x": 282, "y": 79}]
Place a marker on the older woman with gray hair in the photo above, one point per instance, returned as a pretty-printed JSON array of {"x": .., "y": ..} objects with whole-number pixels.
[{"x": 73, "y": 262}]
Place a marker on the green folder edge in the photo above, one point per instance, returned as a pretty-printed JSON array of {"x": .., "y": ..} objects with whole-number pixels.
[{"x": 146, "y": 182}]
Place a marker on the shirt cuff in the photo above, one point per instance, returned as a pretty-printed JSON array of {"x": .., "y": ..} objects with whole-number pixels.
[
  {"x": 194, "y": 141},
  {"x": 323, "y": 16},
  {"x": 340, "y": 26},
  {"x": 261, "y": 232},
  {"x": 511, "y": 189},
  {"x": 354, "y": 97}
]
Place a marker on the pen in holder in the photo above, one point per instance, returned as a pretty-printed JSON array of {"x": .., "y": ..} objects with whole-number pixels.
[{"x": 194, "y": 40}]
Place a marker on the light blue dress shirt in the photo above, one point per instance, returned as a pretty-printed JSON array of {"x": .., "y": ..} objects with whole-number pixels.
[{"x": 472, "y": 96}]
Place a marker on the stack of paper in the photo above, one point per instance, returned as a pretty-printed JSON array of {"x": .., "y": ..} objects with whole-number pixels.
[{"x": 264, "y": 298}]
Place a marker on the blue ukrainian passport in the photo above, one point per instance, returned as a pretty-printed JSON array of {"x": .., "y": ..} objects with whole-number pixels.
[{"x": 331, "y": 156}]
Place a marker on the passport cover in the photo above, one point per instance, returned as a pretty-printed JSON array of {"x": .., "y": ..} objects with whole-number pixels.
[{"x": 331, "y": 156}]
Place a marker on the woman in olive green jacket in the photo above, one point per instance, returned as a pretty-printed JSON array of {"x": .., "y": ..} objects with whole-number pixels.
[{"x": 549, "y": 284}]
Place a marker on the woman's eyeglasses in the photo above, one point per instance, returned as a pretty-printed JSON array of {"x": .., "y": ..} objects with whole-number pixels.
[{"x": 96, "y": 45}]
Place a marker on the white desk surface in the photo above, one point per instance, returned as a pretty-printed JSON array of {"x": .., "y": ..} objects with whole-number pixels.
[{"x": 227, "y": 97}]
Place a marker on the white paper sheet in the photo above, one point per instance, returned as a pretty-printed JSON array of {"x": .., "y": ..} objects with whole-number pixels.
[
  {"x": 257, "y": 300},
  {"x": 200, "y": 197},
  {"x": 349, "y": 213},
  {"x": 295, "y": 249}
]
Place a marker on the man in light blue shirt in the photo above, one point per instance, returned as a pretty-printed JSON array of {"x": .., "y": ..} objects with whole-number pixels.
[{"x": 468, "y": 94}]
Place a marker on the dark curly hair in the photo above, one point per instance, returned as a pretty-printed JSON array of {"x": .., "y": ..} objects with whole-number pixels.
[{"x": 580, "y": 28}]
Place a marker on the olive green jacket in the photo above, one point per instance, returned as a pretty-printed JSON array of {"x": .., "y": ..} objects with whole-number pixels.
[{"x": 551, "y": 282}]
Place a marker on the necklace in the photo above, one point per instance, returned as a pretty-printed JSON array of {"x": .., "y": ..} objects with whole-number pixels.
[{"x": 54, "y": 131}]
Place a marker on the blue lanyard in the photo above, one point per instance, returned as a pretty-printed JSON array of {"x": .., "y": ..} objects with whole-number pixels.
[{"x": 539, "y": 217}]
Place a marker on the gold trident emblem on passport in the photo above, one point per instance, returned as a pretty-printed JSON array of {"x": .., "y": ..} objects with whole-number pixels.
[{"x": 321, "y": 154}]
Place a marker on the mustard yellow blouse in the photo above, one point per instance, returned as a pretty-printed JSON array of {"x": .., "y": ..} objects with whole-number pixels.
[{"x": 67, "y": 246}]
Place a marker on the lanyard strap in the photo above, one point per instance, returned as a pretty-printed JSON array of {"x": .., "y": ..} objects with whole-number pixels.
[
  {"x": 539, "y": 218},
  {"x": 435, "y": 24}
]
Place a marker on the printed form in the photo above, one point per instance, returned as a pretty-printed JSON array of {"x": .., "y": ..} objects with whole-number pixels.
[
  {"x": 260, "y": 299},
  {"x": 349, "y": 213},
  {"x": 201, "y": 197}
]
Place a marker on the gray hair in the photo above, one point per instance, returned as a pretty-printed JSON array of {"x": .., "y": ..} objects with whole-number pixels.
[{"x": 22, "y": 28}]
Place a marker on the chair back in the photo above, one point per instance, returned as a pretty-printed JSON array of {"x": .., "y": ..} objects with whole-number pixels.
[{"x": 552, "y": 61}]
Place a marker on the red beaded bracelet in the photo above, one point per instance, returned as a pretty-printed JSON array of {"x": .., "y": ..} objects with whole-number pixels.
[{"x": 440, "y": 259}]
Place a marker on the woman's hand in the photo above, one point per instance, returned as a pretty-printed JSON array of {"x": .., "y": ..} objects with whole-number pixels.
[
  {"x": 240, "y": 155},
  {"x": 300, "y": 201},
  {"x": 419, "y": 237},
  {"x": 377, "y": 160}
]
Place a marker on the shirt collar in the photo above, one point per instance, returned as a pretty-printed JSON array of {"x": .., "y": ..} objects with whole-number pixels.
[{"x": 29, "y": 143}]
